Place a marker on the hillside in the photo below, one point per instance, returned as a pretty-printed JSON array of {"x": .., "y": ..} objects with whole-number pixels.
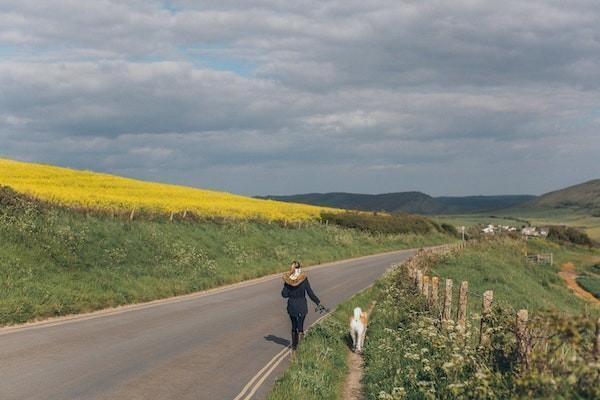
[
  {"x": 583, "y": 196},
  {"x": 411, "y": 202},
  {"x": 54, "y": 261},
  {"x": 85, "y": 189}
]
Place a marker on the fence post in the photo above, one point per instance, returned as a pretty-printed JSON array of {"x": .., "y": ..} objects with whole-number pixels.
[
  {"x": 171, "y": 217},
  {"x": 461, "y": 316},
  {"x": 447, "y": 301},
  {"x": 420, "y": 281},
  {"x": 484, "y": 337},
  {"x": 523, "y": 338},
  {"x": 426, "y": 286},
  {"x": 132, "y": 214},
  {"x": 184, "y": 213},
  {"x": 597, "y": 344},
  {"x": 435, "y": 281}
]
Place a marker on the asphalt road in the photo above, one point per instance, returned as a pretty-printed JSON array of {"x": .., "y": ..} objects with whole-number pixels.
[{"x": 198, "y": 347}]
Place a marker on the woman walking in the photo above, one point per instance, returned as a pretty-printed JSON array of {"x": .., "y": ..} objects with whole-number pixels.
[{"x": 295, "y": 288}]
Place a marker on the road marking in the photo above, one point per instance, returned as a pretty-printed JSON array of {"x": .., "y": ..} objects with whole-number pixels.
[
  {"x": 273, "y": 363},
  {"x": 265, "y": 376},
  {"x": 258, "y": 374}
]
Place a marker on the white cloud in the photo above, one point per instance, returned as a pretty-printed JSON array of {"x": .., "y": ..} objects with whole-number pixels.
[{"x": 340, "y": 95}]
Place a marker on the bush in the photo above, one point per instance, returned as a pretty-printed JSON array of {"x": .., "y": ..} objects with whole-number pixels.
[
  {"x": 383, "y": 223},
  {"x": 591, "y": 284},
  {"x": 450, "y": 229},
  {"x": 570, "y": 235}
]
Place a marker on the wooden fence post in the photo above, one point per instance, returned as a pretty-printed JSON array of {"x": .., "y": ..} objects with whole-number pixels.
[
  {"x": 523, "y": 338},
  {"x": 484, "y": 337},
  {"x": 461, "y": 316},
  {"x": 132, "y": 215},
  {"x": 434, "y": 301},
  {"x": 419, "y": 281},
  {"x": 171, "y": 217},
  {"x": 446, "y": 315},
  {"x": 426, "y": 286},
  {"x": 597, "y": 344},
  {"x": 184, "y": 213}
]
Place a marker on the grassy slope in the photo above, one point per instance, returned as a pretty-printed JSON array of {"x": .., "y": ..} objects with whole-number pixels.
[
  {"x": 56, "y": 262},
  {"x": 500, "y": 266},
  {"x": 407, "y": 356},
  {"x": 518, "y": 217},
  {"x": 584, "y": 195},
  {"x": 318, "y": 369}
]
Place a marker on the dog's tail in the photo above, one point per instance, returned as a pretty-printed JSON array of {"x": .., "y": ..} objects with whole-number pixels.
[{"x": 357, "y": 313}]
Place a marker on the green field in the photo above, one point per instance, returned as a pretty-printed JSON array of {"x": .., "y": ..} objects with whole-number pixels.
[
  {"x": 54, "y": 261},
  {"x": 500, "y": 265},
  {"x": 519, "y": 217}
]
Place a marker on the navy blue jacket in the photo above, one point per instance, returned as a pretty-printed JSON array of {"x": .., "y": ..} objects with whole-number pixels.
[{"x": 296, "y": 296}]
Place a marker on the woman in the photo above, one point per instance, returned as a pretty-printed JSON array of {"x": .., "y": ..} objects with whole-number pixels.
[{"x": 295, "y": 288}]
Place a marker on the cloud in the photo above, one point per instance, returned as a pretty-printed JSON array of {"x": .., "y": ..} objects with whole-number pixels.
[{"x": 276, "y": 96}]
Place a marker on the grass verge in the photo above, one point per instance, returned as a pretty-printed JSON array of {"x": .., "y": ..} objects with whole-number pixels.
[
  {"x": 410, "y": 356},
  {"x": 54, "y": 261},
  {"x": 318, "y": 369}
]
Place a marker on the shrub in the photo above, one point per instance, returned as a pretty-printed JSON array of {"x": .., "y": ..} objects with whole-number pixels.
[
  {"x": 570, "y": 235},
  {"x": 382, "y": 223}
]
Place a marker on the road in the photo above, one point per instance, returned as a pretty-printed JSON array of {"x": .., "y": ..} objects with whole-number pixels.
[{"x": 206, "y": 346}]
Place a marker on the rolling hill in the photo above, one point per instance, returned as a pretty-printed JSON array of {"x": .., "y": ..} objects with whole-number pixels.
[
  {"x": 410, "y": 202},
  {"x": 583, "y": 196}
]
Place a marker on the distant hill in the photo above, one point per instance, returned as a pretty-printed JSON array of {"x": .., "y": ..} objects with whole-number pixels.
[
  {"x": 584, "y": 196},
  {"x": 410, "y": 202}
]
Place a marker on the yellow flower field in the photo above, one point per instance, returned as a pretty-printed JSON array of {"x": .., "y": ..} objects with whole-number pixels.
[{"x": 102, "y": 191}]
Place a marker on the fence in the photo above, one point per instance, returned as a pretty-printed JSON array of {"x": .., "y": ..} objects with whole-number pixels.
[
  {"x": 428, "y": 286},
  {"x": 546, "y": 258}
]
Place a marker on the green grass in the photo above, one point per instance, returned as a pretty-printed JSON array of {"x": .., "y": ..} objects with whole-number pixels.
[
  {"x": 318, "y": 369},
  {"x": 406, "y": 356},
  {"x": 500, "y": 265},
  {"x": 590, "y": 283},
  {"x": 577, "y": 218},
  {"x": 409, "y": 356},
  {"x": 56, "y": 262}
]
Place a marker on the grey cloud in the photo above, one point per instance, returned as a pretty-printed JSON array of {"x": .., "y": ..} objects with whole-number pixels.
[{"x": 279, "y": 96}]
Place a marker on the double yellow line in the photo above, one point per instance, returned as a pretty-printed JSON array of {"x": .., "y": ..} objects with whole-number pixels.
[{"x": 257, "y": 380}]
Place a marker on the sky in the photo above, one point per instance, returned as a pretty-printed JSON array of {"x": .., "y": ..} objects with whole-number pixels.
[{"x": 454, "y": 97}]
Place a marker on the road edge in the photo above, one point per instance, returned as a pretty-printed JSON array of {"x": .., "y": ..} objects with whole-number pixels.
[{"x": 71, "y": 318}]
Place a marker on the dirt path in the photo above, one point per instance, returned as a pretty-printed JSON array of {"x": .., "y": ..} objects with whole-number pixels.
[
  {"x": 568, "y": 273},
  {"x": 353, "y": 386}
]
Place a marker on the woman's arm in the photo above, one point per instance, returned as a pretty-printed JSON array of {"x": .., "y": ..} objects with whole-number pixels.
[
  {"x": 312, "y": 294},
  {"x": 285, "y": 292}
]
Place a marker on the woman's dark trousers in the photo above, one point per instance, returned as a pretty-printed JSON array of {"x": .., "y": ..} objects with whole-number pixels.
[{"x": 297, "y": 328}]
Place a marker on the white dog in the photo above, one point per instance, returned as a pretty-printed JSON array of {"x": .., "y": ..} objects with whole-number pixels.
[{"x": 358, "y": 329}]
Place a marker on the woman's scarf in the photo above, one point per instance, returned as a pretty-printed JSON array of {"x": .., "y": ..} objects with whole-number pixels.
[{"x": 294, "y": 277}]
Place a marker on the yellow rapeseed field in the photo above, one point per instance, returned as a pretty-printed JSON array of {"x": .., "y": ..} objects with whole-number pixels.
[{"x": 102, "y": 191}]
